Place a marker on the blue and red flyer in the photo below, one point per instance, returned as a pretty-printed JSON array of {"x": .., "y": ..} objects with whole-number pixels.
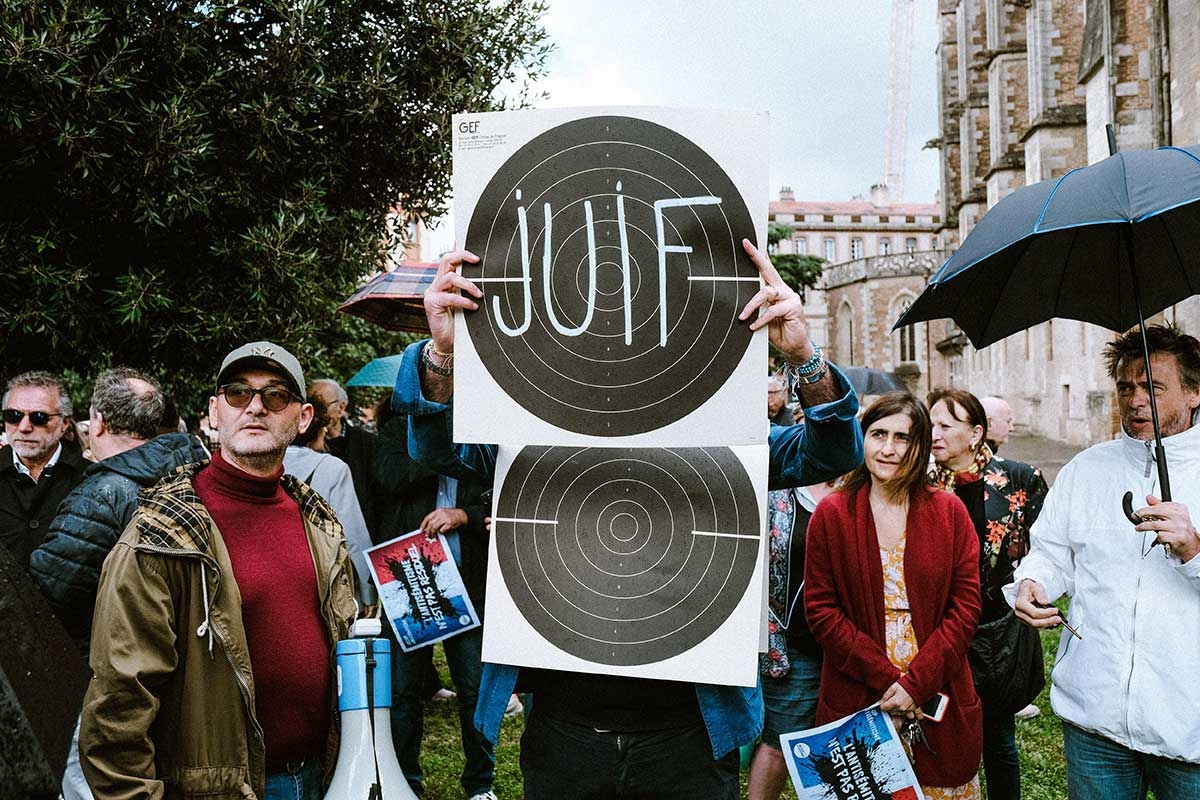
[
  {"x": 858, "y": 757},
  {"x": 421, "y": 589}
]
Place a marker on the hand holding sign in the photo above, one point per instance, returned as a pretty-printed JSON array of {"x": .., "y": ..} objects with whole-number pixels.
[
  {"x": 442, "y": 297},
  {"x": 783, "y": 312}
]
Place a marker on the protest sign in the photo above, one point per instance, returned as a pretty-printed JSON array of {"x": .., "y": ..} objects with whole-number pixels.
[
  {"x": 644, "y": 562},
  {"x": 422, "y": 592},
  {"x": 858, "y": 757},
  {"x": 613, "y": 274}
]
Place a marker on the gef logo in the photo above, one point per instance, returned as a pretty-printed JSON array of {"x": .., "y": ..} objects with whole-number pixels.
[{"x": 468, "y": 127}]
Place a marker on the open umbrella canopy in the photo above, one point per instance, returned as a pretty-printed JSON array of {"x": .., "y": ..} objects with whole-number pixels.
[
  {"x": 378, "y": 372},
  {"x": 1107, "y": 244},
  {"x": 1086, "y": 246},
  {"x": 392, "y": 300}
]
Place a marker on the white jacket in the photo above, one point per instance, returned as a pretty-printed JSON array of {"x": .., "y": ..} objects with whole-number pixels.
[{"x": 1135, "y": 676}]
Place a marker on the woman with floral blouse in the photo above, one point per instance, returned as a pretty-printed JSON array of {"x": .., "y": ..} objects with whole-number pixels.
[{"x": 1003, "y": 498}]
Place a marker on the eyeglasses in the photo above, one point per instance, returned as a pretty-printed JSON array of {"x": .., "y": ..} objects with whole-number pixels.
[
  {"x": 13, "y": 416},
  {"x": 274, "y": 398}
]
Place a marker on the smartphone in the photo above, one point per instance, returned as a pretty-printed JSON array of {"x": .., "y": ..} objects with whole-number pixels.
[{"x": 934, "y": 708}]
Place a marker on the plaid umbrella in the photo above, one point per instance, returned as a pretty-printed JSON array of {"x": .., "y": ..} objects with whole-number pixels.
[{"x": 392, "y": 300}]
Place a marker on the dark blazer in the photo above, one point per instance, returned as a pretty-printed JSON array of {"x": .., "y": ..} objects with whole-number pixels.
[
  {"x": 843, "y": 598},
  {"x": 26, "y": 508}
]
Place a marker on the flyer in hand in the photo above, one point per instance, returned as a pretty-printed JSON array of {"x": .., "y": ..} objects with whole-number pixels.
[
  {"x": 421, "y": 589},
  {"x": 858, "y": 757}
]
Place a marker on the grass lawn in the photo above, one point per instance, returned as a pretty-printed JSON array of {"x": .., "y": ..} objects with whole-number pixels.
[{"x": 1043, "y": 773}]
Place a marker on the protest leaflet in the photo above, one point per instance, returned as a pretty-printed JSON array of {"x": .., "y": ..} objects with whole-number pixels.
[
  {"x": 858, "y": 757},
  {"x": 421, "y": 589}
]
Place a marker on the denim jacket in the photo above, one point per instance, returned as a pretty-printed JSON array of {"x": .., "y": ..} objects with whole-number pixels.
[{"x": 828, "y": 444}]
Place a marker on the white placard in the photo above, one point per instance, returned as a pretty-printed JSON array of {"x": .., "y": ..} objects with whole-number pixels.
[
  {"x": 613, "y": 275},
  {"x": 641, "y": 562}
]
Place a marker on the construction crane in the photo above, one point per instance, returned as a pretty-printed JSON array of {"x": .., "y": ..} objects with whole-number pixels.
[{"x": 899, "y": 89}]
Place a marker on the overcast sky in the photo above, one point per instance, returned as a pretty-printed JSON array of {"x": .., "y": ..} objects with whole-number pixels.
[{"x": 818, "y": 67}]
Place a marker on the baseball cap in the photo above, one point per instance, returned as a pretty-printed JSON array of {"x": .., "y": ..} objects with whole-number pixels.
[{"x": 265, "y": 355}]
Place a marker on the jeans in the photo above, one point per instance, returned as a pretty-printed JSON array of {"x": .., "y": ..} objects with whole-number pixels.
[
  {"x": 74, "y": 785},
  {"x": 303, "y": 783},
  {"x": 1001, "y": 763},
  {"x": 463, "y": 656},
  {"x": 1099, "y": 767},
  {"x": 563, "y": 759}
]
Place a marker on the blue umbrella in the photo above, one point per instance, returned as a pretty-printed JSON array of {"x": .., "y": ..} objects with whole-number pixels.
[
  {"x": 1106, "y": 244},
  {"x": 379, "y": 372}
]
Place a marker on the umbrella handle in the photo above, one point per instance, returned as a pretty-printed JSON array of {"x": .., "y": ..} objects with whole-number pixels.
[
  {"x": 1160, "y": 455},
  {"x": 1127, "y": 507}
]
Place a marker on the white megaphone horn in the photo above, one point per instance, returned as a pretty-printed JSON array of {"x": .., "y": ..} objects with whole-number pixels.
[{"x": 366, "y": 765}]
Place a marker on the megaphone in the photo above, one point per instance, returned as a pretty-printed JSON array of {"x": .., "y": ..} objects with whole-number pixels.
[{"x": 366, "y": 766}]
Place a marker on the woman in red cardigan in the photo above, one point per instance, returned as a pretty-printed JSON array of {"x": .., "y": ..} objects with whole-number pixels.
[{"x": 892, "y": 595}]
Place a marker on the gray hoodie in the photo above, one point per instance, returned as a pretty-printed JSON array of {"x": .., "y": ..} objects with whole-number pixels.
[{"x": 330, "y": 477}]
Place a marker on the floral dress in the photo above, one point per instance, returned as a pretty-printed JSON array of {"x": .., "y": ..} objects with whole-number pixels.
[
  {"x": 902, "y": 647},
  {"x": 1010, "y": 500}
]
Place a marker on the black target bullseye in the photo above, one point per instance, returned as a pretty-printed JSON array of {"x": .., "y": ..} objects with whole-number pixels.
[
  {"x": 655, "y": 339},
  {"x": 626, "y": 556}
]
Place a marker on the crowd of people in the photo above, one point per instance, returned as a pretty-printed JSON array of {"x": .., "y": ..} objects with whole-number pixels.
[{"x": 907, "y": 560}]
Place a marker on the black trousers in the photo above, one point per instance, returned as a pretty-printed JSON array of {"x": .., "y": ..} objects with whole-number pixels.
[{"x": 562, "y": 759}]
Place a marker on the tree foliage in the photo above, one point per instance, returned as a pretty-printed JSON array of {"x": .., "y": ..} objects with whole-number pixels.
[
  {"x": 777, "y": 232},
  {"x": 798, "y": 271},
  {"x": 179, "y": 178}
]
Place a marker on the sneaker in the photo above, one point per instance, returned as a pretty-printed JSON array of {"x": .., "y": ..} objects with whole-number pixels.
[
  {"x": 1028, "y": 712},
  {"x": 443, "y": 694},
  {"x": 515, "y": 706},
  {"x": 488, "y": 795}
]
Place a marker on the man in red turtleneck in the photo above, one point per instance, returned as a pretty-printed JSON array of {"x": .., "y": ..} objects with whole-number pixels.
[{"x": 218, "y": 611}]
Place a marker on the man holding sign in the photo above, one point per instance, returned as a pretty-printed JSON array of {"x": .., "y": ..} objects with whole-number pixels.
[{"x": 592, "y": 735}]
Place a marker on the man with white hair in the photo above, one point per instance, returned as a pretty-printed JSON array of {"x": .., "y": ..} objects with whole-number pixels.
[
  {"x": 999, "y": 420},
  {"x": 777, "y": 398},
  {"x": 37, "y": 468},
  {"x": 357, "y": 448}
]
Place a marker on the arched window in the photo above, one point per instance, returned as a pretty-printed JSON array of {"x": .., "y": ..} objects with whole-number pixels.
[
  {"x": 904, "y": 342},
  {"x": 845, "y": 335}
]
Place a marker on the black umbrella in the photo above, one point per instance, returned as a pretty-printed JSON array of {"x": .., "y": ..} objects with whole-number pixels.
[
  {"x": 1106, "y": 244},
  {"x": 868, "y": 380}
]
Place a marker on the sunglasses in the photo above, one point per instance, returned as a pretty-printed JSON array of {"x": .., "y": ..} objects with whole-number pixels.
[
  {"x": 274, "y": 398},
  {"x": 13, "y": 416}
]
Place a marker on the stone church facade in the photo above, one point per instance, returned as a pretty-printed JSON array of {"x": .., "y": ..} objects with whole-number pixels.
[{"x": 1025, "y": 90}]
